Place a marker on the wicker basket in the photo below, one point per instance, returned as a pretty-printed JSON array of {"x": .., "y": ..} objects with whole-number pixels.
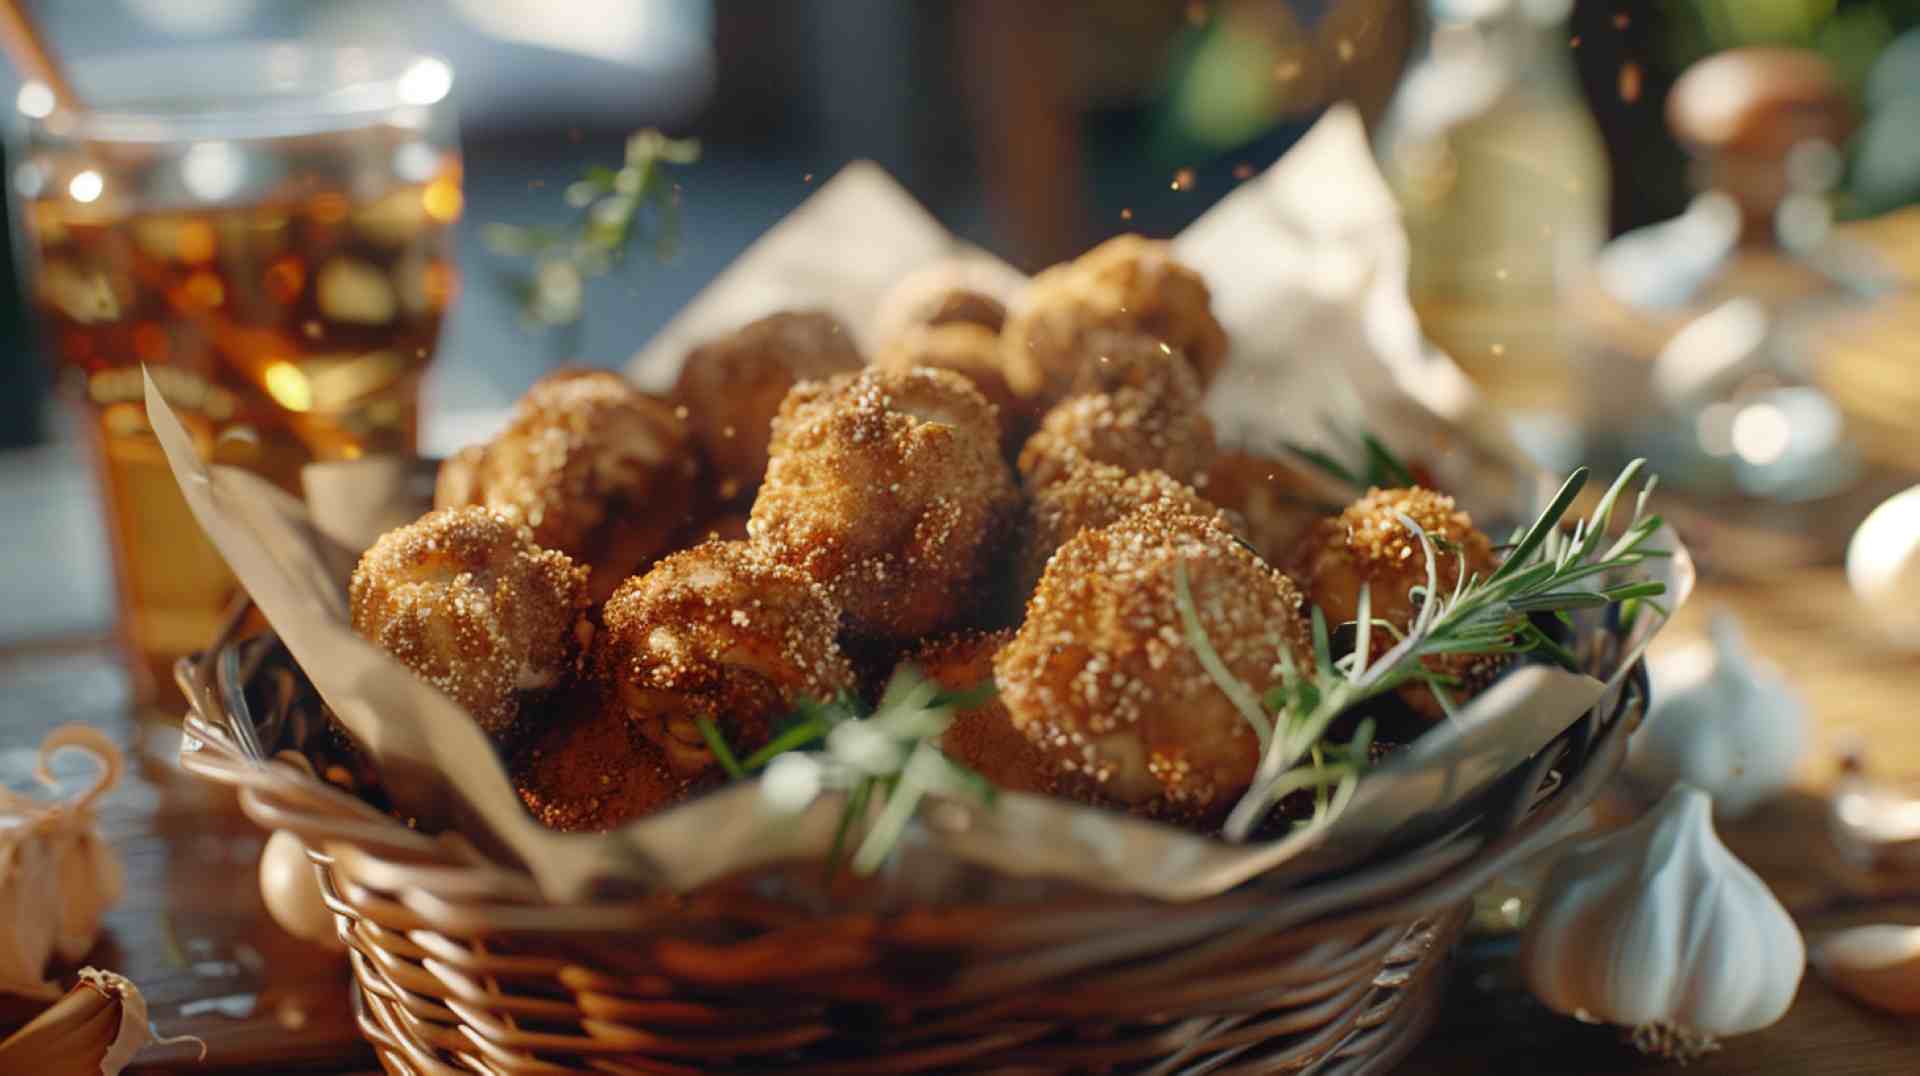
[{"x": 461, "y": 966}]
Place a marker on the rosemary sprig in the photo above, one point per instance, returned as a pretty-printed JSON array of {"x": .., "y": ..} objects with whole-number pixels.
[
  {"x": 885, "y": 757},
  {"x": 612, "y": 204},
  {"x": 1549, "y": 570},
  {"x": 1379, "y": 466}
]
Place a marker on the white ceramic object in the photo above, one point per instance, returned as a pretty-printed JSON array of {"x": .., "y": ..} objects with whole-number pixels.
[
  {"x": 1723, "y": 721},
  {"x": 1883, "y": 566},
  {"x": 291, "y": 891},
  {"x": 1879, "y": 964},
  {"x": 1658, "y": 926}
]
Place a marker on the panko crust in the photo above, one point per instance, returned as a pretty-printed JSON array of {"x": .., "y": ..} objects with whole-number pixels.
[
  {"x": 590, "y": 770},
  {"x": 720, "y": 631},
  {"x": 732, "y": 386},
  {"x": 1367, "y": 544},
  {"x": 1095, "y": 495},
  {"x": 1102, "y": 679},
  {"x": 597, "y": 469},
  {"x": 1277, "y": 501},
  {"x": 971, "y": 291},
  {"x": 465, "y": 599},
  {"x": 887, "y": 487},
  {"x": 983, "y": 738},
  {"x": 1133, "y": 404},
  {"x": 1127, "y": 284},
  {"x": 974, "y": 353}
]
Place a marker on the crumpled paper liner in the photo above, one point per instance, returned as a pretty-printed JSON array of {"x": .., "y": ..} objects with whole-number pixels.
[{"x": 1307, "y": 265}]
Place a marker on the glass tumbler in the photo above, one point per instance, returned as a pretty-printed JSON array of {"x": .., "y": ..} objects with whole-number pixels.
[{"x": 267, "y": 228}]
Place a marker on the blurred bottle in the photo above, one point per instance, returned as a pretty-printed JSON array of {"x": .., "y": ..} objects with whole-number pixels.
[
  {"x": 1701, "y": 335},
  {"x": 1501, "y": 177}
]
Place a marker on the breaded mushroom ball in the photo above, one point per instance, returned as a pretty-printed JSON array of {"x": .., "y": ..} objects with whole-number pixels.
[
  {"x": 1367, "y": 544},
  {"x": 964, "y": 291},
  {"x": 465, "y": 599},
  {"x": 722, "y": 632},
  {"x": 1095, "y": 495},
  {"x": 597, "y": 469},
  {"x": 1133, "y": 404},
  {"x": 731, "y": 387},
  {"x": 889, "y": 489},
  {"x": 1102, "y": 676},
  {"x": 972, "y": 352},
  {"x": 982, "y": 738},
  {"x": 1127, "y": 284}
]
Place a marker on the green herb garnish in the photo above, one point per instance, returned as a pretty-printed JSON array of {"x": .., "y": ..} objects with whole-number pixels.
[
  {"x": 1549, "y": 570},
  {"x": 614, "y": 205}
]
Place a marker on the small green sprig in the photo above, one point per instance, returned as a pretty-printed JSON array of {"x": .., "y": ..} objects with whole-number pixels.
[
  {"x": 613, "y": 205},
  {"x": 885, "y": 757},
  {"x": 1379, "y": 466},
  {"x": 1547, "y": 570}
]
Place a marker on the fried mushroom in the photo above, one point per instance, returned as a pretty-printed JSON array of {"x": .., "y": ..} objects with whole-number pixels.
[
  {"x": 1368, "y": 545},
  {"x": 720, "y": 632},
  {"x": 1133, "y": 404},
  {"x": 982, "y": 737},
  {"x": 731, "y": 387},
  {"x": 963, "y": 291},
  {"x": 1102, "y": 676},
  {"x": 973, "y": 352},
  {"x": 887, "y": 487},
  {"x": 597, "y": 469},
  {"x": 465, "y": 599},
  {"x": 1094, "y": 495},
  {"x": 1127, "y": 284}
]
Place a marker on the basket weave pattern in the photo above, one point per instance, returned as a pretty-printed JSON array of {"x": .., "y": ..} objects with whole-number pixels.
[{"x": 461, "y": 966}]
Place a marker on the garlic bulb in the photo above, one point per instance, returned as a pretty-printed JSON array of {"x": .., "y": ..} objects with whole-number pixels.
[
  {"x": 58, "y": 877},
  {"x": 1659, "y": 925},
  {"x": 1723, "y": 721},
  {"x": 1878, "y": 964}
]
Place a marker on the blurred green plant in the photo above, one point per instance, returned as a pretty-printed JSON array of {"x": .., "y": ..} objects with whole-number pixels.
[{"x": 616, "y": 208}]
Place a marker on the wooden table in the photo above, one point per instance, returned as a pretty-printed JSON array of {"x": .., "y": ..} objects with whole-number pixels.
[{"x": 192, "y": 933}]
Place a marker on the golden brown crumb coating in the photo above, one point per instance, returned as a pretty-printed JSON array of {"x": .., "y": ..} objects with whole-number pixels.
[
  {"x": 1102, "y": 678},
  {"x": 1094, "y": 495},
  {"x": 972, "y": 352},
  {"x": 731, "y": 387},
  {"x": 1133, "y": 404},
  {"x": 1127, "y": 284},
  {"x": 599, "y": 470},
  {"x": 1367, "y": 544},
  {"x": 888, "y": 488},
  {"x": 972, "y": 291},
  {"x": 465, "y": 599},
  {"x": 588, "y": 769},
  {"x": 983, "y": 738},
  {"x": 1277, "y": 501},
  {"x": 720, "y": 631}
]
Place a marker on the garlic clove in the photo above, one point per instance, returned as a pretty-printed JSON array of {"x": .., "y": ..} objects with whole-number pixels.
[
  {"x": 291, "y": 891},
  {"x": 1878, "y": 964},
  {"x": 29, "y": 886},
  {"x": 1658, "y": 924},
  {"x": 95, "y": 1029},
  {"x": 1883, "y": 566}
]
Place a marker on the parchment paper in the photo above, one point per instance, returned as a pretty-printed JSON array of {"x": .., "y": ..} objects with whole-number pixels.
[{"x": 1307, "y": 265}]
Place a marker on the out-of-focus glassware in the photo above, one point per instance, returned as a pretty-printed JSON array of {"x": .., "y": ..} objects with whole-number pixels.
[
  {"x": 267, "y": 228},
  {"x": 1702, "y": 334},
  {"x": 1501, "y": 177}
]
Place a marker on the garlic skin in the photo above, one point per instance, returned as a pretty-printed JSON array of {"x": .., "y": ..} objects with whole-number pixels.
[
  {"x": 1658, "y": 923},
  {"x": 1723, "y": 721},
  {"x": 29, "y": 886},
  {"x": 1878, "y": 964}
]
